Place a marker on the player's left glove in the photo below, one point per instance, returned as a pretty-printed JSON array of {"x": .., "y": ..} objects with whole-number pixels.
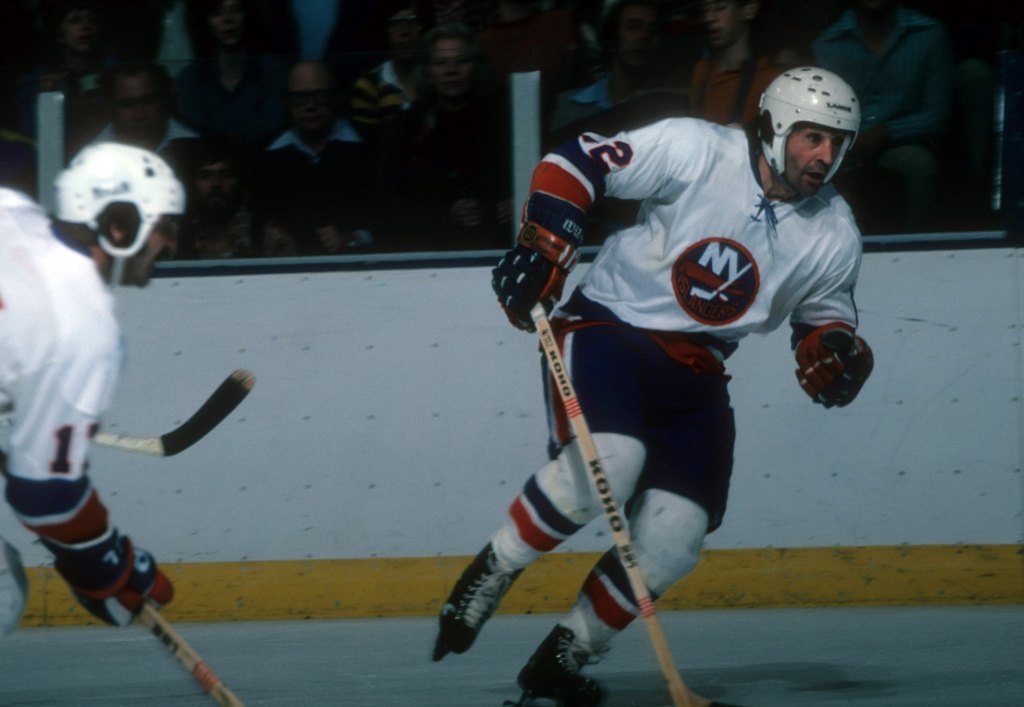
[
  {"x": 110, "y": 577},
  {"x": 833, "y": 364}
]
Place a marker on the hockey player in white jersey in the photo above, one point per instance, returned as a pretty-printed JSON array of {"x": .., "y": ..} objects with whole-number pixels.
[
  {"x": 60, "y": 354},
  {"x": 738, "y": 232}
]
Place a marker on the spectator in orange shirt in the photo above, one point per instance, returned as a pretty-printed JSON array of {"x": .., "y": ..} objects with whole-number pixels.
[{"x": 728, "y": 82}]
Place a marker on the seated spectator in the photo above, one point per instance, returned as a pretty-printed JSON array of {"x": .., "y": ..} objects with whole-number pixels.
[
  {"x": 220, "y": 222},
  {"x": 446, "y": 160},
  {"x": 75, "y": 57},
  {"x": 380, "y": 93},
  {"x": 630, "y": 37},
  {"x": 313, "y": 180},
  {"x": 231, "y": 90},
  {"x": 728, "y": 81},
  {"x": 899, "y": 63},
  {"x": 141, "y": 114},
  {"x": 522, "y": 38}
]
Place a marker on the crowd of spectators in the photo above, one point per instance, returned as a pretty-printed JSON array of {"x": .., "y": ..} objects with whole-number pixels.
[{"x": 311, "y": 127}]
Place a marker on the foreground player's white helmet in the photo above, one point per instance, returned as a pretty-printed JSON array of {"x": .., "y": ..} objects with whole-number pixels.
[
  {"x": 806, "y": 95},
  {"x": 109, "y": 173}
]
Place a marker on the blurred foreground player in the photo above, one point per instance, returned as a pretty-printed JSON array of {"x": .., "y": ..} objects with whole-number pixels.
[
  {"x": 60, "y": 355},
  {"x": 738, "y": 231}
]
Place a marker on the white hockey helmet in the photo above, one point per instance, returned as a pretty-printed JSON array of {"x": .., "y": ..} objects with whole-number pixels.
[
  {"x": 108, "y": 173},
  {"x": 806, "y": 95}
]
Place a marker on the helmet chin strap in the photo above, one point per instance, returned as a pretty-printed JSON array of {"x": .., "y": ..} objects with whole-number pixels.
[
  {"x": 773, "y": 155},
  {"x": 120, "y": 255},
  {"x": 117, "y": 271}
]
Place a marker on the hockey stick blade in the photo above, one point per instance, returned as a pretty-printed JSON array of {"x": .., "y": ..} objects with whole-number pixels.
[
  {"x": 218, "y": 406},
  {"x": 186, "y": 655}
]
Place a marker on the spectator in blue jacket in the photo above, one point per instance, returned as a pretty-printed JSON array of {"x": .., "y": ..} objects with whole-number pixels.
[{"x": 899, "y": 62}]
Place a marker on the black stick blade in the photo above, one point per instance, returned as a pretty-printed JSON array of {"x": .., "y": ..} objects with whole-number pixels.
[{"x": 218, "y": 406}]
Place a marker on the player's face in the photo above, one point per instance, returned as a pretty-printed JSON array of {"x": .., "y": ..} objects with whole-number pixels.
[
  {"x": 161, "y": 243},
  {"x": 811, "y": 150},
  {"x": 451, "y": 68}
]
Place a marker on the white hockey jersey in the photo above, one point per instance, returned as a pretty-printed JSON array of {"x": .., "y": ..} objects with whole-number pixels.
[
  {"x": 60, "y": 351},
  {"x": 708, "y": 254}
]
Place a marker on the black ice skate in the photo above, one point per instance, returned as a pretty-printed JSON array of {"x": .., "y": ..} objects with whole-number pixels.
[
  {"x": 553, "y": 673},
  {"x": 473, "y": 600}
]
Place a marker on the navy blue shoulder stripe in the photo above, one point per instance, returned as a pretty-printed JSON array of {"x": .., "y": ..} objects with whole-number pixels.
[{"x": 593, "y": 170}]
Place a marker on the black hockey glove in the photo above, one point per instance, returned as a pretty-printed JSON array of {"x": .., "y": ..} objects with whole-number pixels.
[
  {"x": 533, "y": 271},
  {"x": 834, "y": 365}
]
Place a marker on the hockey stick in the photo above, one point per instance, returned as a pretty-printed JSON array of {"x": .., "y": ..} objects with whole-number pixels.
[
  {"x": 681, "y": 695},
  {"x": 193, "y": 662},
  {"x": 218, "y": 406}
]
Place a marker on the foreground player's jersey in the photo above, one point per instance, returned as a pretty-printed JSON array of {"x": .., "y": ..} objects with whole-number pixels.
[
  {"x": 60, "y": 348},
  {"x": 708, "y": 254}
]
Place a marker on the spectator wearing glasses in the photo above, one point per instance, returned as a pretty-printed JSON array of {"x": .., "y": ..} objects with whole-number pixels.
[
  {"x": 309, "y": 178},
  {"x": 141, "y": 105},
  {"x": 382, "y": 92}
]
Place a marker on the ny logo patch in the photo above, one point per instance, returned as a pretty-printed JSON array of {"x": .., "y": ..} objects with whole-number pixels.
[{"x": 715, "y": 281}]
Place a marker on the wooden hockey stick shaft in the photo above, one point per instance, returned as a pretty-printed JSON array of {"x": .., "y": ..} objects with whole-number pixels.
[
  {"x": 682, "y": 696},
  {"x": 151, "y": 618},
  {"x": 211, "y": 413}
]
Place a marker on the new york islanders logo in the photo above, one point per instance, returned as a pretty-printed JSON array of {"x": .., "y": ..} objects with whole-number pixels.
[{"x": 715, "y": 281}]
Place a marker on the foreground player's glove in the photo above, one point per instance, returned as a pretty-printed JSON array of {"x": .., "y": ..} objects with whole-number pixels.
[
  {"x": 110, "y": 577},
  {"x": 833, "y": 365},
  {"x": 533, "y": 271}
]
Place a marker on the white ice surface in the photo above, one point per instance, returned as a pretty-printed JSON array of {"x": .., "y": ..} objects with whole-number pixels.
[{"x": 862, "y": 657}]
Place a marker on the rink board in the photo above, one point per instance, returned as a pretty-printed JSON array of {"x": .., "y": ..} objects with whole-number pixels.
[
  {"x": 396, "y": 414},
  {"x": 346, "y": 589}
]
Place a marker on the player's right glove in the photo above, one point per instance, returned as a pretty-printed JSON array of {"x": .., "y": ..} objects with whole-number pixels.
[
  {"x": 110, "y": 577},
  {"x": 833, "y": 364},
  {"x": 533, "y": 271}
]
